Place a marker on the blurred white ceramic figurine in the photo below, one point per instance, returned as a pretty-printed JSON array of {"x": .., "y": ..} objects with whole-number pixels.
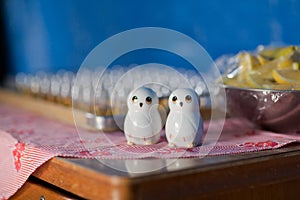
[
  {"x": 184, "y": 126},
  {"x": 143, "y": 122}
]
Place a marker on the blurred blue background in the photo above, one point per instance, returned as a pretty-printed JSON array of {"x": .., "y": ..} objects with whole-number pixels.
[{"x": 53, "y": 34}]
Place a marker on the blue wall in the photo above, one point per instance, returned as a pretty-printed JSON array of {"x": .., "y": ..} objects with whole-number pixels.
[{"x": 53, "y": 34}]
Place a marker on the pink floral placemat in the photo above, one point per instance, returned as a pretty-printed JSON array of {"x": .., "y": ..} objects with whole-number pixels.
[{"x": 28, "y": 140}]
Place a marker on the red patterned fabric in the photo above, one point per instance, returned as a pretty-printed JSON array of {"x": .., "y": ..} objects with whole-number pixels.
[{"x": 28, "y": 140}]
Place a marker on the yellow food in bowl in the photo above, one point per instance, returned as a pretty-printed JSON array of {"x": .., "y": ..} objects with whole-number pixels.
[{"x": 277, "y": 68}]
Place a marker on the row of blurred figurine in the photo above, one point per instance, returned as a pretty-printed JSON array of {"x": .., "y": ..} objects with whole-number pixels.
[{"x": 105, "y": 91}]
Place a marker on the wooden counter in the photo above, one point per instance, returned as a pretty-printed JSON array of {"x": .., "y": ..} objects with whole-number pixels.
[{"x": 260, "y": 175}]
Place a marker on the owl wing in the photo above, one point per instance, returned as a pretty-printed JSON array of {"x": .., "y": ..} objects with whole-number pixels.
[
  {"x": 197, "y": 124},
  {"x": 128, "y": 125},
  {"x": 171, "y": 130},
  {"x": 156, "y": 122},
  {"x": 137, "y": 125},
  {"x": 193, "y": 121}
]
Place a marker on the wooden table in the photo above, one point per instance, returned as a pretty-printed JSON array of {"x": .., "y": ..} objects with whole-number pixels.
[{"x": 261, "y": 175}]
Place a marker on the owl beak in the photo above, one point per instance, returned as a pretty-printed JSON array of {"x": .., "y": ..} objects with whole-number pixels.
[
  {"x": 141, "y": 104},
  {"x": 181, "y": 104}
]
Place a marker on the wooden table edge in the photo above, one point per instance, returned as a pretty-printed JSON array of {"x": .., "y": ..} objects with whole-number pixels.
[{"x": 285, "y": 166}]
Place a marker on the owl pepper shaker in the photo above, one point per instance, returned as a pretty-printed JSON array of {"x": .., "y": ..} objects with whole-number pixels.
[
  {"x": 184, "y": 126},
  {"x": 143, "y": 123}
]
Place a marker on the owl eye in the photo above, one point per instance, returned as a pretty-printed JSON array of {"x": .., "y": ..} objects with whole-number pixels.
[
  {"x": 174, "y": 99},
  {"x": 148, "y": 100},
  {"x": 188, "y": 98},
  {"x": 134, "y": 99}
]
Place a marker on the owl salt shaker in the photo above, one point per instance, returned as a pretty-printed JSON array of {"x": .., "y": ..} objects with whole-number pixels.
[
  {"x": 184, "y": 126},
  {"x": 143, "y": 122}
]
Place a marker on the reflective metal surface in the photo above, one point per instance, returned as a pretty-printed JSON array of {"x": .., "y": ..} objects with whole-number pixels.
[{"x": 275, "y": 110}]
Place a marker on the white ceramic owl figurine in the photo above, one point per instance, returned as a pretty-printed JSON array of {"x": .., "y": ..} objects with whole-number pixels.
[
  {"x": 143, "y": 122},
  {"x": 184, "y": 126}
]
